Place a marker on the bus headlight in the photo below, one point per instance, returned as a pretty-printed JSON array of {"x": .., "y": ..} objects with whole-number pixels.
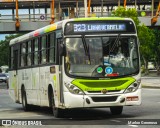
[
  {"x": 133, "y": 87},
  {"x": 74, "y": 89}
]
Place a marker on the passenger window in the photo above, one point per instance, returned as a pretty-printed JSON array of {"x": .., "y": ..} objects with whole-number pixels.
[
  {"x": 52, "y": 51},
  {"x": 35, "y": 51},
  {"x": 23, "y": 55},
  {"x": 12, "y": 58},
  {"x": 29, "y": 54},
  {"x": 43, "y": 48}
]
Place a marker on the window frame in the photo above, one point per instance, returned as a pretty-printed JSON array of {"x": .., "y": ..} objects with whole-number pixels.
[{"x": 34, "y": 46}]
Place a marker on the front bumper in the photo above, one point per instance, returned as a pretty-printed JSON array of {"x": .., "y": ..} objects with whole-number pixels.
[{"x": 82, "y": 101}]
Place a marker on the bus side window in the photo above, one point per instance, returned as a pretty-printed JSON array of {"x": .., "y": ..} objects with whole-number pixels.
[
  {"x": 35, "y": 50},
  {"x": 23, "y": 54},
  {"x": 47, "y": 48},
  {"x": 15, "y": 60},
  {"x": 29, "y": 53},
  {"x": 52, "y": 48},
  {"x": 12, "y": 58},
  {"x": 43, "y": 49}
]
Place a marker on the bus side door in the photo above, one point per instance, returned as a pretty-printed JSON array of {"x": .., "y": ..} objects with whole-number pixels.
[{"x": 15, "y": 74}]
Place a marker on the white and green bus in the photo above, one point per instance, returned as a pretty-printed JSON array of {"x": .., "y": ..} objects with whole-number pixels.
[{"x": 77, "y": 63}]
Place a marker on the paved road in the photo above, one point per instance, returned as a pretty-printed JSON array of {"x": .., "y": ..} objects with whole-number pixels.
[
  {"x": 150, "y": 109},
  {"x": 152, "y": 82}
]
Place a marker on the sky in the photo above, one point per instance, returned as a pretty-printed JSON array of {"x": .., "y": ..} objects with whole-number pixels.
[
  {"x": 21, "y": 11},
  {"x": 2, "y": 36}
]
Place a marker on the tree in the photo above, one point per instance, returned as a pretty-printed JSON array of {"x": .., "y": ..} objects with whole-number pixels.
[
  {"x": 130, "y": 13},
  {"x": 4, "y": 48},
  {"x": 146, "y": 39},
  {"x": 157, "y": 49},
  {"x": 145, "y": 35}
]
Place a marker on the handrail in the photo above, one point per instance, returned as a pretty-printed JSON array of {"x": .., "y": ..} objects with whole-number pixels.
[
  {"x": 46, "y": 17},
  {"x": 33, "y": 17}
]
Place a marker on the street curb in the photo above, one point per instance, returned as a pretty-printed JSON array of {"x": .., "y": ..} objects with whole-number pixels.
[
  {"x": 150, "y": 77},
  {"x": 154, "y": 87}
]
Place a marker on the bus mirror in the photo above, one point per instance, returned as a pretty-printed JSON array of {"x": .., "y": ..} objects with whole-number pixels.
[{"x": 61, "y": 49}]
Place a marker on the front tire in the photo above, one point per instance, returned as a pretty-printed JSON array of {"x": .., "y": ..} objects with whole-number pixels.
[
  {"x": 57, "y": 112},
  {"x": 116, "y": 110},
  {"x": 25, "y": 105}
]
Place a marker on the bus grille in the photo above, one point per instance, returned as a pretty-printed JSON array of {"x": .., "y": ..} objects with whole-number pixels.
[
  {"x": 96, "y": 86},
  {"x": 105, "y": 99},
  {"x": 109, "y": 91}
]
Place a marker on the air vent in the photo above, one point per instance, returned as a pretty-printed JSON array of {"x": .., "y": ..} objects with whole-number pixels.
[{"x": 105, "y": 99}]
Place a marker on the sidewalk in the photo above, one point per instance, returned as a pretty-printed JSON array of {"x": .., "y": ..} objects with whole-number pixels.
[{"x": 151, "y": 80}]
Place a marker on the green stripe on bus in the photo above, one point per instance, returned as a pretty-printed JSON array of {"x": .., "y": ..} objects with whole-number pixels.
[
  {"x": 98, "y": 85},
  {"x": 14, "y": 82},
  {"x": 98, "y": 18}
]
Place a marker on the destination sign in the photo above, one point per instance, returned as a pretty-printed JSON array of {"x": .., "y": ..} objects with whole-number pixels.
[
  {"x": 105, "y": 26},
  {"x": 98, "y": 27}
]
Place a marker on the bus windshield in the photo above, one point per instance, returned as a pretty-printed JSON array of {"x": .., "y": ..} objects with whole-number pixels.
[{"x": 112, "y": 56}]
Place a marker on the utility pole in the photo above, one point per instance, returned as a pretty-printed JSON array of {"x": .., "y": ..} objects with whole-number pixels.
[
  {"x": 119, "y": 3},
  {"x": 152, "y": 7},
  {"x": 85, "y": 8},
  {"x": 89, "y": 6},
  {"x": 59, "y": 10},
  {"x": 17, "y": 24},
  {"x": 52, "y": 12},
  {"x": 136, "y": 4},
  {"x": 125, "y": 1},
  {"x": 101, "y": 8},
  {"x": 77, "y": 11}
]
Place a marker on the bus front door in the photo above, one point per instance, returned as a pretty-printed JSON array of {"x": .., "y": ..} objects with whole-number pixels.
[{"x": 15, "y": 75}]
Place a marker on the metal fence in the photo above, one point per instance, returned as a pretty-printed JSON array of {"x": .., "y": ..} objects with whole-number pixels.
[{"x": 47, "y": 17}]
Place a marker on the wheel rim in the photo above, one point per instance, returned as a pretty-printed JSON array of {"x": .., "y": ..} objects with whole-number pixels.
[
  {"x": 23, "y": 100},
  {"x": 53, "y": 104}
]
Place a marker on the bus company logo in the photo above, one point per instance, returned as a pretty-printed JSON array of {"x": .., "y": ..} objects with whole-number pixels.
[
  {"x": 6, "y": 122},
  {"x": 104, "y": 91},
  {"x": 99, "y": 69}
]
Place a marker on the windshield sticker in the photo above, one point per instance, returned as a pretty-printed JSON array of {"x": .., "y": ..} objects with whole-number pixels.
[
  {"x": 106, "y": 61},
  {"x": 107, "y": 64},
  {"x": 99, "y": 69},
  {"x": 108, "y": 70},
  {"x": 113, "y": 74}
]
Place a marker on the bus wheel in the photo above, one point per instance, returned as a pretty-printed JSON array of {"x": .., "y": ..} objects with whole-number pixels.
[
  {"x": 24, "y": 101},
  {"x": 57, "y": 112},
  {"x": 116, "y": 110}
]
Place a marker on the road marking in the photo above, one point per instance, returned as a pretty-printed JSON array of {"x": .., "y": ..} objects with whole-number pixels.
[
  {"x": 17, "y": 115},
  {"x": 115, "y": 120},
  {"x": 135, "y": 126},
  {"x": 5, "y": 109}
]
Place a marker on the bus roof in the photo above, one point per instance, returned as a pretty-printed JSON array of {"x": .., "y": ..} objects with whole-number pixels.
[{"x": 58, "y": 25}]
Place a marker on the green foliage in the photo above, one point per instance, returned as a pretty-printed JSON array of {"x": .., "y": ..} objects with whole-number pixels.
[
  {"x": 130, "y": 13},
  {"x": 147, "y": 39},
  {"x": 146, "y": 36},
  {"x": 157, "y": 48},
  {"x": 4, "y": 48},
  {"x": 157, "y": 42}
]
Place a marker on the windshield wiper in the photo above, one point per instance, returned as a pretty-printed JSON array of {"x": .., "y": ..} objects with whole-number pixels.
[
  {"x": 114, "y": 44},
  {"x": 86, "y": 49}
]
